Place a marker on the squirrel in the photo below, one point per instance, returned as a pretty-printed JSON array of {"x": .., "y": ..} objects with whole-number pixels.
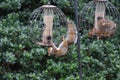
[
  {"x": 71, "y": 38},
  {"x": 105, "y": 29},
  {"x": 61, "y": 50}
]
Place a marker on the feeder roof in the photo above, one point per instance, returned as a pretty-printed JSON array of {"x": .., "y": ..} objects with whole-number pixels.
[
  {"x": 48, "y": 6},
  {"x": 100, "y": 0}
]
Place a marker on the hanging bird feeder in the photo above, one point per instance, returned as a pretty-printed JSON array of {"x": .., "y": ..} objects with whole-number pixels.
[
  {"x": 99, "y": 18},
  {"x": 47, "y": 23}
]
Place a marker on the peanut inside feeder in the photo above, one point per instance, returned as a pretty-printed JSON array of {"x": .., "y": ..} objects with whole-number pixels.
[
  {"x": 47, "y": 34},
  {"x": 99, "y": 12}
]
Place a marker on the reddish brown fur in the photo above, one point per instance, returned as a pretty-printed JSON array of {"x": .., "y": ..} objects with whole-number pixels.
[{"x": 105, "y": 28}]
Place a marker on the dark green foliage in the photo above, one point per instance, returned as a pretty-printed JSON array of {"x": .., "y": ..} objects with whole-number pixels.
[{"x": 20, "y": 59}]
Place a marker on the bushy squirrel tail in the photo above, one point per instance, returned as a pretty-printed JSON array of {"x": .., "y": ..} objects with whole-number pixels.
[{"x": 71, "y": 33}]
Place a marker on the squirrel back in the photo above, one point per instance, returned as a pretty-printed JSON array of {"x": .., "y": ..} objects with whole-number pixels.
[{"x": 105, "y": 28}]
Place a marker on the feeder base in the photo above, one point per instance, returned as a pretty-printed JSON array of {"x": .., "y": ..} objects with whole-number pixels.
[{"x": 42, "y": 44}]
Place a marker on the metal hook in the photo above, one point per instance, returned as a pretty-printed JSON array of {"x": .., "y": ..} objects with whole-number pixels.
[{"x": 49, "y": 2}]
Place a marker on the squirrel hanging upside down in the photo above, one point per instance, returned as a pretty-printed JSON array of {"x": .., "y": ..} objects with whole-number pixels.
[
  {"x": 61, "y": 50},
  {"x": 71, "y": 38},
  {"x": 105, "y": 29}
]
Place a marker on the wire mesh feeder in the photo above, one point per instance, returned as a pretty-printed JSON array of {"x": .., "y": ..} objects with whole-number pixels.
[
  {"x": 47, "y": 23},
  {"x": 99, "y": 18}
]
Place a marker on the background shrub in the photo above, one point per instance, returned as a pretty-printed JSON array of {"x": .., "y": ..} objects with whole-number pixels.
[{"x": 20, "y": 59}]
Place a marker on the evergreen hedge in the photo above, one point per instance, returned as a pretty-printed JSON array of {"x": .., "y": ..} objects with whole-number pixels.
[{"x": 20, "y": 59}]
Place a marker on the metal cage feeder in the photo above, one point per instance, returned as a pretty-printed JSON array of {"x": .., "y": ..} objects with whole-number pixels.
[
  {"x": 47, "y": 23},
  {"x": 99, "y": 18}
]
